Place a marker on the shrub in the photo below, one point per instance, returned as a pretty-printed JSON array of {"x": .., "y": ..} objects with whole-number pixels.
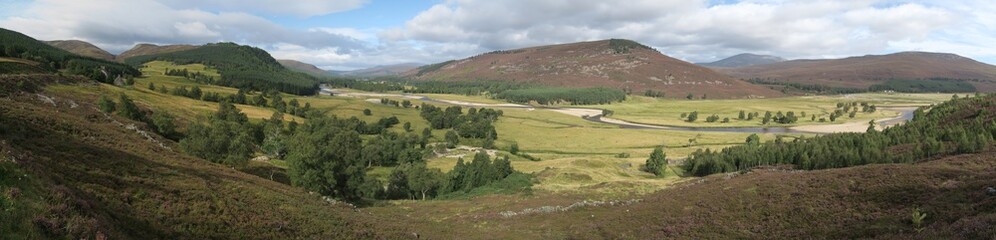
[
  {"x": 129, "y": 109},
  {"x": 105, "y": 104},
  {"x": 657, "y": 162},
  {"x": 162, "y": 122}
]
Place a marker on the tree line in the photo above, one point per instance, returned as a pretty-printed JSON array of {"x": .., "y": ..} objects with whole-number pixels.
[
  {"x": 957, "y": 126},
  {"x": 416, "y": 181},
  {"x": 197, "y": 77},
  {"x": 379, "y": 84},
  {"x": 849, "y": 108},
  {"x": 943, "y": 85},
  {"x": 469, "y": 88},
  {"x": 573, "y": 96},
  {"x": 269, "y": 99},
  {"x": 815, "y": 88}
]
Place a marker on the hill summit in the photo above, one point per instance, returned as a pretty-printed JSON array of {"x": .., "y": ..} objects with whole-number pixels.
[
  {"x": 614, "y": 63},
  {"x": 744, "y": 60},
  {"x": 82, "y": 48},
  {"x": 864, "y": 71},
  {"x": 151, "y": 49}
]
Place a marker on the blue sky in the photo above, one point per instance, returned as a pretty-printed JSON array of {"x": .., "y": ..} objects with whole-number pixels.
[
  {"x": 373, "y": 15},
  {"x": 352, "y": 34}
]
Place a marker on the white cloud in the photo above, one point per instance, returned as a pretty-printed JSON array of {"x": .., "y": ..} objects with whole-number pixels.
[
  {"x": 692, "y": 30},
  {"x": 301, "y": 8},
  {"x": 365, "y": 35},
  {"x": 195, "y": 30},
  {"x": 970, "y": 34},
  {"x": 300, "y": 53},
  {"x": 118, "y": 25}
]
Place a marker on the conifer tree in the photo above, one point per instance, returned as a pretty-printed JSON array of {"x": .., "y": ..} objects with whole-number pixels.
[{"x": 657, "y": 162}]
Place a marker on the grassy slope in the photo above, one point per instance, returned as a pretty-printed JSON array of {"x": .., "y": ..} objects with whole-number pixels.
[
  {"x": 86, "y": 176},
  {"x": 185, "y": 108},
  {"x": 873, "y": 201}
]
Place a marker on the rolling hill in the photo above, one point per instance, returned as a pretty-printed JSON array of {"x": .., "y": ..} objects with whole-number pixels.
[
  {"x": 151, "y": 49},
  {"x": 302, "y": 67},
  {"x": 379, "y": 71},
  {"x": 743, "y": 60},
  {"x": 82, "y": 48},
  {"x": 87, "y": 49},
  {"x": 615, "y": 63},
  {"x": 865, "y": 71},
  {"x": 240, "y": 66}
]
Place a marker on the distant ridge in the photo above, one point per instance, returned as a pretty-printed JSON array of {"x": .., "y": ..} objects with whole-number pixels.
[
  {"x": 302, "y": 67},
  {"x": 744, "y": 60},
  {"x": 82, "y": 48},
  {"x": 87, "y": 49},
  {"x": 614, "y": 63},
  {"x": 379, "y": 71},
  {"x": 864, "y": 71},
  {"x": 150, "y": 49}
]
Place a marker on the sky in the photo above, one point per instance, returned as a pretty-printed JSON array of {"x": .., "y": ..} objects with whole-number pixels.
[{"x": 354, "y": 34}]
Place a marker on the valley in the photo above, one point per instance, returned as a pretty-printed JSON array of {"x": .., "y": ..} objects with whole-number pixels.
[{"x": 606, "y": 139}]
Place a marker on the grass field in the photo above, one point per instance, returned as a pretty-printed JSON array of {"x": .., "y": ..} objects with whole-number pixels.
[
  {"x": 576, "y": 154},
  {"x": 668, "y": 111}
]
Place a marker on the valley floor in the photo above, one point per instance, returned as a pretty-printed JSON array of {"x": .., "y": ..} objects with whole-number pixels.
[{"x": 588, "y": 182}]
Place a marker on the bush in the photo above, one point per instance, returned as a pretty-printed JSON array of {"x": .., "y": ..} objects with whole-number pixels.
[
  {"x": 105, "y": 104},
  {"x": 452, "y": 139},
  {"x": 657, "y": 162},
  {"x": 162, "y": 122},
  {"x": 128, "y": 109}
]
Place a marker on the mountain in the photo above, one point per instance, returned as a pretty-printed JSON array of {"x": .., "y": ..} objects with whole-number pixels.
[
  {"x": 743, "y": 60},
  {"x": 82, "y": 48},
  {"x": 865, "y": 71},
  {"x": 89, "y": 50},
  {"x": 24, "y": 50},
  {"x": 302, "y": 67},
  {"x": 150, "y": 49},
  {"x": 240, "y": 66},
  {"x": 379, "y": 71},
  {"x": 614, "y": 63}
]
